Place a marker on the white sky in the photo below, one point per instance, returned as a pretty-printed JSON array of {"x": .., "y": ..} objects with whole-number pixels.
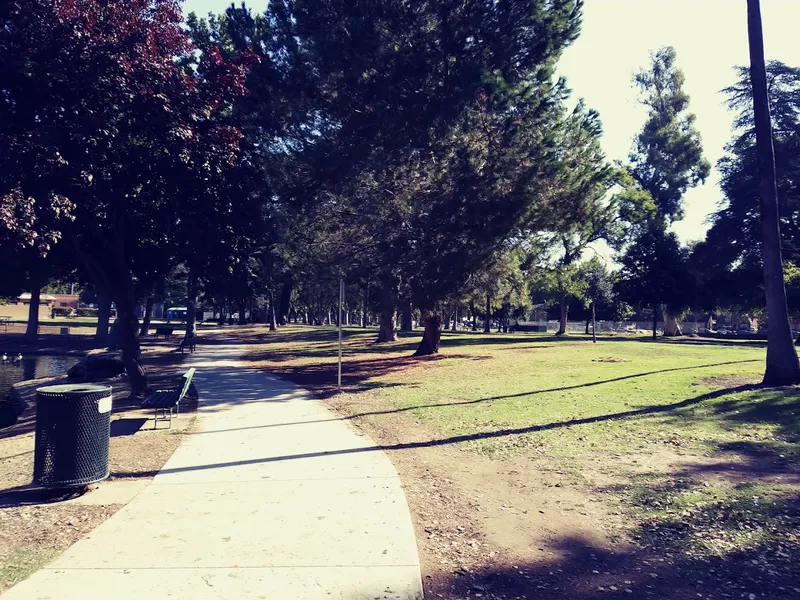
[{"x": 710, "y": 37}]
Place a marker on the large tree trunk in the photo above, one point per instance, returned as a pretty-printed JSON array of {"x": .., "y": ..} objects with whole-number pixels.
[
  {"x": 242, "y": 311},
  {"x": 407, "y": 320},
  {"x": 273, "y": 324},
  {"x": 672, "y": 326},
  {"x": 432, "y": 335},
  {"x": 562, "y": 317},
  {"x": 366, "y": 305},
  {"x": 655, "y": 320},
  {"x": 103, "y": 316},
  {"x": 455, "y": 318},
  {"x": 286, "y": 298},
  {"x": 191, "y": 304},
  {"x": 594, "y": 326},
  {"x": 474, "y": 315},
  {"x": 148, "y": 315},
  {"x": 32, "y": 330},
  {"x": 487, "y": 323},
  {"x": 127, "y": 332},
  {"x": 387, "y": 331},
  {"x": 782, "y": 366}
]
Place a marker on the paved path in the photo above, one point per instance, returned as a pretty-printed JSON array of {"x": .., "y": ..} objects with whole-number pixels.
[{"x": 259, "y": 503}]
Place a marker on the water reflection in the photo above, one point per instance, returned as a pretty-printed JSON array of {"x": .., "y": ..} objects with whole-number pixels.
[{"x": 33, "y": 367}]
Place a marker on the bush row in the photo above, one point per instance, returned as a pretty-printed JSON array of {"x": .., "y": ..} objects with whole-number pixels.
[{"x": 65, "y": 311}]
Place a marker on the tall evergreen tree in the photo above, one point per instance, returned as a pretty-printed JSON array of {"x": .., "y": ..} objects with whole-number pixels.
[
  {"x": 666, "y": 161},
  {"x": 729, "y": 259},
  {"x": 427, "y": 131},
  {"x": 582, "y": 186}
]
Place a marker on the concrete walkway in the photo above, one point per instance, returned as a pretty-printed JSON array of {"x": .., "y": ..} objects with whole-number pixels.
[{"x": 259, "y": 503}]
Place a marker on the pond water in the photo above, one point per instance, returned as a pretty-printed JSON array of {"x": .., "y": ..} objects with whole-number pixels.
[{"x": 33, "y": 367}]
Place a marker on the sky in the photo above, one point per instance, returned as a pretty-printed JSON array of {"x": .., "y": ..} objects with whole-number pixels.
[{"x": 710, "y": 37}]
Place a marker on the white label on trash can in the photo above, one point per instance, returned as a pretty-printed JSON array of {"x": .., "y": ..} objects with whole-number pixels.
[{"x": 104, "y": 405}]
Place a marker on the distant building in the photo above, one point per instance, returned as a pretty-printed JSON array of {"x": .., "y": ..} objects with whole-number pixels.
[{"x": 51, "y": 300}]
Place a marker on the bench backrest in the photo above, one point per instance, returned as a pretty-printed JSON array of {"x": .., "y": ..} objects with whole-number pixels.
[{"x": 187, "y": 381}]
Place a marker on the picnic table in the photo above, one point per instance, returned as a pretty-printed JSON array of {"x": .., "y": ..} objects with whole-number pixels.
[{"x": 5, "y": 321}]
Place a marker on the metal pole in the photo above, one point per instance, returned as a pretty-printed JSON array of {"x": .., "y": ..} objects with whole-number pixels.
[{"x": 341, "y": 301}]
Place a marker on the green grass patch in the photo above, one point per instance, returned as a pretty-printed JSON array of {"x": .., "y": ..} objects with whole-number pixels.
[
  {"x": 565, "y": 396},
  {"x": 21, "y": 563}
]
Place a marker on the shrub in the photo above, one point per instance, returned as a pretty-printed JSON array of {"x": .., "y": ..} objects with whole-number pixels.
[
  {"x": 63, "y": 311},
  {"x": 92, "y": 312}
]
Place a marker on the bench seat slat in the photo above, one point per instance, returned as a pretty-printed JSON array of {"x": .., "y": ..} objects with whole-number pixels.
[{"x": 162, "y": 399}]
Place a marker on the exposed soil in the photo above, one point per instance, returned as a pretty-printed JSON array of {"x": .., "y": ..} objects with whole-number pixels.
[
  {"x": 476, "y": 517},
  {"x": 730, "y": 381},
  {"x": 35, "y": 526},
  {"x": 610, "y": 359}
]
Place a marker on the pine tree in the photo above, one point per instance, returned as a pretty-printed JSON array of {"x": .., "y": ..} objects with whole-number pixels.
[{"x": 666, "y": 161}]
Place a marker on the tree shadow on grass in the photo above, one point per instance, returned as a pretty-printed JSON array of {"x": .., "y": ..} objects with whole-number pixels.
[
  {"x": 715, "y": 531},
  {"x": 357, "y": 375},
  {"x": 778, "y": 406},
  {"x": 320, "y": 377},
  {"x": 687, "y": 536},
  {"x": 457, "y": 439},
  {"x": 580, "y": 570}
]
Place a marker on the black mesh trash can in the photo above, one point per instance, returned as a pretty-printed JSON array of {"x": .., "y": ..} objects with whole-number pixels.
[{"x": 72, "y": 431}]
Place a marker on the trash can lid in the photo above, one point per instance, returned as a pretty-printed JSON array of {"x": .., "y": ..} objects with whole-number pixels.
[{"x": 74, "y": 388}]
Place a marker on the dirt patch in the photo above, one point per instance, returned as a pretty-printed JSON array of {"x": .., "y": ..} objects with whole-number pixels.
[
  {"x": 34, "y": 529},
  {"x": 610, "y": 359},
  {"x": 31, "y": 536},
  {"x": 476, "y": 517},
  {"x": 730, "y": 381}
]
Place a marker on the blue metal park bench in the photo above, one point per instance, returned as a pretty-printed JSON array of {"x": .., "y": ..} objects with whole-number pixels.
[{"x": 163, "y": 402}]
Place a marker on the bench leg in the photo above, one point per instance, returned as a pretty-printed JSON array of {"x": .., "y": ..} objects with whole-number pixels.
[{"x": 163, "y": 417}]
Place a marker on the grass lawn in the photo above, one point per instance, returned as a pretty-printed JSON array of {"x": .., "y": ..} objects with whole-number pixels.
[
  {"x": 532, "y": 391},
  {"x": 693, "y": 462}
]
